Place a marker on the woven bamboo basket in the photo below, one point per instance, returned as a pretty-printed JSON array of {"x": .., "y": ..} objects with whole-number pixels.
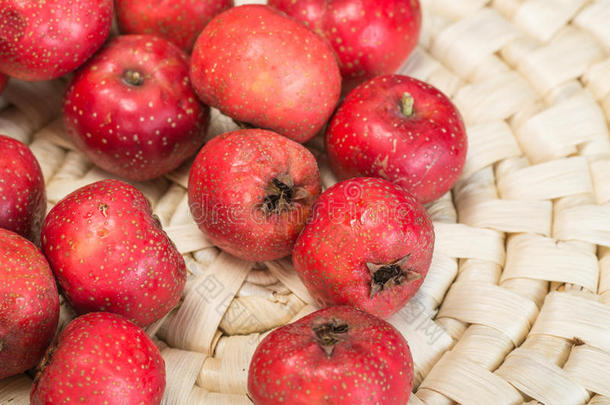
[{"x": 516, "y": 306}]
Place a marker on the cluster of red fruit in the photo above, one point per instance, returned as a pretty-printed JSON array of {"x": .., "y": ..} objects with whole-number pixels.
[{"x": 138, "y": 108}]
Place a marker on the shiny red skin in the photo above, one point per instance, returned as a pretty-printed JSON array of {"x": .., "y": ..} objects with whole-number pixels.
[
  {"x": 137, "y": 132},
  {"x": 42, "y": 40},
  {"x": 29, "y": 304},
  {"x": 359, "y": 221},
  {"x": 178, "y": 21},
  {"x": 23, "y": 204},
  {"x": 228, "y": 182},
  {"x": 265, "y": 69},
  {"x": 3, "y": 81},
  {"x": 370, "y": 37},
  {"x": 101, "y": 359},
  {"x": 109, "y": 253},
  {"x": 369, "y": 136},
  {"x": 372, "y": 365}
]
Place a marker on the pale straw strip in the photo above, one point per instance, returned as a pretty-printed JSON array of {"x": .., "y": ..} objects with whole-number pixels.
[
  {"x": 588, "y": 223},
  {"x": 180, "y": 176},
  {"x": 600, "y": 173},
  {"x": 442, "y": 210},
  {"x": 490, "y": 305},
  {"x": 15, "y": 124},
  {"x": 572, "y": 317},
  {"x": 200, "y": 396},
  {"x": 15, "y": 390},
  {"x": 566, "y": 57},
  {"x": 195, "y": 323},
  {"x": 54, "y": 132},
  {"x": 49, "y": 156},
  {"x": 237, "y": 351},
  {"x": 599, "y": 400},
  {"x": 188, "y": 237},
  {"x": 427, "y": 340},
  {"x": 414, "y": 400},
  {"x": 488, "y": 143},
  {"x": 597, "y": 79},
  {"x": 458, "y": 240},
  {"x": 604, "y": 274},
  {"x": 182, "y": 213},
  {"x": 542, "y": 19},
  {"x": 495, "y": 98},
  {"x": 537, "y": 257},
  {"x": 327, "y": 176},
  {"x": 68, "y": 177},
  {"x": 588, "y": 366},
  {"x": 509, "y": 215},
  {"x": 167, "y": 204},
  {"x": 483, "y": 345},
  {"x": 424, "y": 67},
  {"x": 262, "y": 277},
  {"x": 464, "y": 44},
  {"x": 594, "y": 19},
  {"x": 556, "y": 131},
  {"x": 468, "y": 382},
  {"x": 181, "y": 369},
  {"x": 557, "y": 178},
  {"x": 479, "y": 270},
  {"x": 553, "y": 348},
  {"x": 220, "y": 124},
  {"x": 541, "y": 379},
  {"x": 40, "y": 101},
  {"x": 252, "y": 314},
  {"x": 284, "y": 271},
  {"x": 441, "y": 274},
  {"x": 453, "y": 10}
]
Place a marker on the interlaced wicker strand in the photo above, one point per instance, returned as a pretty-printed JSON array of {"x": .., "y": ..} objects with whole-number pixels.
[{"x": 516, "y": 306}]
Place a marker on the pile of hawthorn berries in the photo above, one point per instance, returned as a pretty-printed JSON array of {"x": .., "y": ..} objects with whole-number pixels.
[{"x": 138, "y": 106}]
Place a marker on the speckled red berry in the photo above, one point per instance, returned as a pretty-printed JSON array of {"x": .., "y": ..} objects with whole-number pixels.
[
  {"x": 101, "y": 359},
  {"x": 29, "y": 304},
  {"x": 368, "y": 244},
  {"x": 265, "y": 69},
  {"x": 400, "y": 129},
  {"x": 109, "y": 253},
  {"x": 178, "y": 21},
  {"x": 251, "y": 192},
  {"x": 23, "y": 200},
  {"x": 42, "y": 40},
  {"x": 371, "y": 37},
  {"x": 335, "y": 356},
  {"x": 132, "y": 111}
]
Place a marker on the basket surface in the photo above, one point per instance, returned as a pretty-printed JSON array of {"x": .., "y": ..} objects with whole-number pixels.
[{"x": 516, "y": 306}]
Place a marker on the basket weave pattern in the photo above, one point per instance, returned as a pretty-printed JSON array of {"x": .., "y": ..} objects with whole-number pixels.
[{"x": 516, "y": 306}]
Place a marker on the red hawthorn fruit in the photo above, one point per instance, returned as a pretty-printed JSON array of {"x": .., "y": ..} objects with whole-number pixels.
[
  {"x": 109, "y": 253},
  {"x": 100, "y": 359},
  {"x": 400, "y": 129},
  {"x": 42, "y": 40},
  {"x": 335, "y": 356},
  {"x": 23, "y": 203},
  {"x": 132, "y": 111},
  {"x": 251, "y": 192},
  {"x": 371, "y": 37},
  {"x": 368, "y": 243},
  {"x": 29, "y": 304},
  {"x": 265, "y": 69},
  {"x": 3, "y": 80},
  {"x": 178, "y": 21}
]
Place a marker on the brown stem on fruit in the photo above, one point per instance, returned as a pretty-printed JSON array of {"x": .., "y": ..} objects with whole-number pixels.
[
  {"x": 133, "y": 78},
  {"x": 384, "y": 276},
  {"x": 407, "y": 104},
  {"x": 281, "y": 194},
  {"x": 329, "y": 333}
]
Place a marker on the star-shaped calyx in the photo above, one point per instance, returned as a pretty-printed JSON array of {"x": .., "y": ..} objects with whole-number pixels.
[
  {"x": 385, "y": 276},
  {"x": 329, "y": 332}
]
